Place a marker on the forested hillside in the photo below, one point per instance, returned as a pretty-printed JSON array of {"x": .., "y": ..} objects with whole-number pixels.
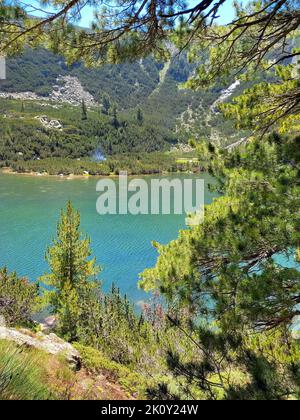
[
  {"x": 155, "y": 87},
  {"x": 53, "y": 115},
  {"x": 128, "y": 84},
  {"x": 50, "y": 110}
]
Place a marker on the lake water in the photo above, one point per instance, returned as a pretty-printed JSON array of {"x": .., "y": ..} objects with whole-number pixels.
[{"x": 29, "y": 211}]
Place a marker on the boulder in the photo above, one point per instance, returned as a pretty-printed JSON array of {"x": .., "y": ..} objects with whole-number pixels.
[
  {"x": 51, "y": 343},
  {"x": 48, "y": 323}
]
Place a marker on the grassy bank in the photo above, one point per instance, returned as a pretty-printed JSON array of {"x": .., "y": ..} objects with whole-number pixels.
[{"x": 134, "y": 164}]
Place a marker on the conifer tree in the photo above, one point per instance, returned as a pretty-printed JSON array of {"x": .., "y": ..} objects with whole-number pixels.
[
  {"x": 237, "y": 274},
  {"x": 84, "y": 116},
  {"x": 140, "y": 116},
  {"x": 72, "y": 275},
  {"x": 115, "y": 121},
  {"x": 105, "y": 104}
]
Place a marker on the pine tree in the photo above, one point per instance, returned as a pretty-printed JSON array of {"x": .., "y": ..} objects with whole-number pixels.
[
  {"x": 72, "y": 275},
  {"x": 84, "y": 116},
  {"x": 140, "y": 116},
  {"x": 115, "y": 121},
  {"x": 105, "y": 104},
  {"x": 110, "y": 148},
  {"x": 229, "y": 270}
]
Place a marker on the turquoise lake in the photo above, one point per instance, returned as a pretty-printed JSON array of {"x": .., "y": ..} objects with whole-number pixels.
[{"x": 29, "y": 211}]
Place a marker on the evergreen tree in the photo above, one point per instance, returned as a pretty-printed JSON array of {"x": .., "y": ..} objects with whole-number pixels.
[
  {"x": 140, "y": 116},
  {"x": 115, "y": 122},
  {"x": 110, "y": 147},
  {"x": 105, "y": 104},
  {"x": 84, "y": 116},
  {"x": 248, "y": 41},
  {"x": 230, "y": 273},
  {"x": 72, "y": 276}
]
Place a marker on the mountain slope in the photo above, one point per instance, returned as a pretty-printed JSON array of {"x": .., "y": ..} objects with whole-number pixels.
[
  {"x": 153, "y": 86},
  {"x": 149, "y": 111}
]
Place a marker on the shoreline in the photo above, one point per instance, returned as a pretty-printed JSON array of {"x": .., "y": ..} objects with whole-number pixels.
[{"x": 9, "y": 171}]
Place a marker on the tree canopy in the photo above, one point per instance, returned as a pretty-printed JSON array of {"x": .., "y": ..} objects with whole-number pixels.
[
  {"x": 73, "y": 274},
  {"x": 142, "y": 25},
  {"x": 236, "y": 276}
]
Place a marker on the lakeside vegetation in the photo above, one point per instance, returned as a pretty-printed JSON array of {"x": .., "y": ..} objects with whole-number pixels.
[
  {"x": 134, "y": 164},
  {"x": 165, "y": 353},
  {"x": 99, "y": 144},
  {"x": 22, "y": 132}
]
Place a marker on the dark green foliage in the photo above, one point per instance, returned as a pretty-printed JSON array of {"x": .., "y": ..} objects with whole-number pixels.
[
  {"x": 113, "y": 326},
  {"x": 149, "y": 85},
  {"x": 266, "y": 381},
  {"x": 105, "y": 104},
  {"x": 106, "y": 322},
  {"x": 35, "y": 71},
  {"x": 84, "y": 116},
  {"x": 115, "y": 122},
  {"x": 18, "y": 299},
  {"x": 135, "y": 164},
  {"x": 23, "y": 137},
  {"x": 139, "y": 116},
  {"x": 238, "y": 270},
  {"x": 237, "y": 243}
]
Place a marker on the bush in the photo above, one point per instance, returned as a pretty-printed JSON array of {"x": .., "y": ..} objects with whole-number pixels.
[
  {"x": 97, "y": 363},
  {"x": 18, "y": 299}
]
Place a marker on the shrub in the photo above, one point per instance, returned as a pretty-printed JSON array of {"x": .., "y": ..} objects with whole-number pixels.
[
  {"x": 97, "y": 363},
  {"x": 18, "y": 299}
]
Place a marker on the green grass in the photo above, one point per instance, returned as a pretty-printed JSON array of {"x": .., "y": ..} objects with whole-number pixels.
[
  {"x": 21, "y": 374},
  {"x": 187, "y": 160}
]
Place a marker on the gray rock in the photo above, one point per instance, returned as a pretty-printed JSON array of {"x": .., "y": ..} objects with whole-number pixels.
[
  {"x": 67, "y": 90},
  {"x": 48, "y": 323},
  {"x": 51, "y": 343},
  {"x": 70, "y": 90}
]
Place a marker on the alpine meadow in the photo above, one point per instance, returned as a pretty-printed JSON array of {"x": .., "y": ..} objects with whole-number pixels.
[{"x": 156, "y": 304}]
